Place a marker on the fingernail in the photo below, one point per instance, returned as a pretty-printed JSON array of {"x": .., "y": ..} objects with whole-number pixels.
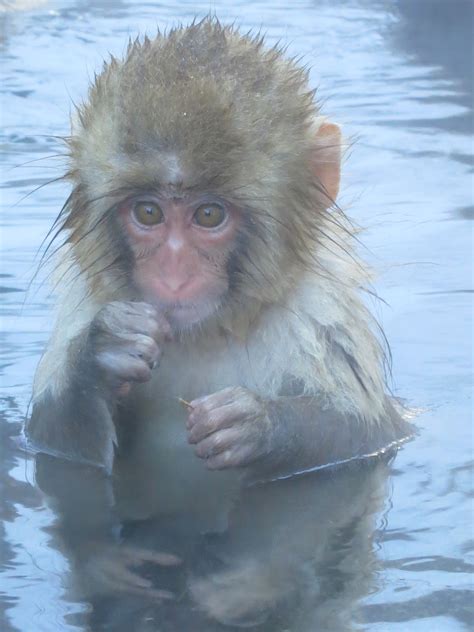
[{"x": 198, "y": 401}]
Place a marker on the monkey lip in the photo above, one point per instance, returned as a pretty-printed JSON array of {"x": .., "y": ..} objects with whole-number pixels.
[{"x": 185, "y": 315}]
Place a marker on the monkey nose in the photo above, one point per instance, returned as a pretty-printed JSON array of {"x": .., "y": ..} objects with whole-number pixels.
[{"x": 175, "y": 283}]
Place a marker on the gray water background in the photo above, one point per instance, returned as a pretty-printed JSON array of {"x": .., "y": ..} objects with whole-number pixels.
[{"x": 397, "y": 75}]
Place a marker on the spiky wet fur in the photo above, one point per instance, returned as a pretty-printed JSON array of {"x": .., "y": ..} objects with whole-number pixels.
[{"x": 240, "y": 121}]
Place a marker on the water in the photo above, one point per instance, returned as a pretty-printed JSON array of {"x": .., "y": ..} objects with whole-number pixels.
[{"x": 398, "y": 77}]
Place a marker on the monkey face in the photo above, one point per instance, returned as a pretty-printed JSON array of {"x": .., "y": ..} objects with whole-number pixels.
[
  {"x": 181, "y": 247},
  {"x": 223, "y": 170}
]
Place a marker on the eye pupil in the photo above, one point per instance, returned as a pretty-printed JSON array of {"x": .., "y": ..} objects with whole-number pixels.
[
  {"x": 148, "y": 213},
  {"x": 209, "y": 215}
]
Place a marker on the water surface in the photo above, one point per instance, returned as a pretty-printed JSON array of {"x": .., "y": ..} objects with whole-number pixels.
[{"x": 398, "y": 77}]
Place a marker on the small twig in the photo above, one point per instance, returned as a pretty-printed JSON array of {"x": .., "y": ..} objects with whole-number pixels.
[{"x": 185, "y": 403}]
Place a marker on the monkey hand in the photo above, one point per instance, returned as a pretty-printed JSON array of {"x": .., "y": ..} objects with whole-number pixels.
[
  {"x": 123, "y": 343},
  {"x": 230, "y": 428},
  {"x": 108, "y": 570}
]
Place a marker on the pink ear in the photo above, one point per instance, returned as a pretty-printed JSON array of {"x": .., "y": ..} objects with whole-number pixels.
[{"x": 328, "y": 159}]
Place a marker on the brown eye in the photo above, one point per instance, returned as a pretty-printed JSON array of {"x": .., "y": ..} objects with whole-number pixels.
[
  {"x": 209, "y": 215},
  {"x": 148, "y": 213}
]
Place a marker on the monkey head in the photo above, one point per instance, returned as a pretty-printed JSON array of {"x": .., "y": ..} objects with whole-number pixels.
[{"x": 202, "y": 173}]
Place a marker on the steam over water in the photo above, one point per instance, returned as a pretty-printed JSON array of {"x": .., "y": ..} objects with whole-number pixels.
[{"x": 366, "y": 550}]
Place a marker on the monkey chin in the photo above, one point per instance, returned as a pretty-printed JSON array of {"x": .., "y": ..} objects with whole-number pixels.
[{"x": 187, "y": 316}]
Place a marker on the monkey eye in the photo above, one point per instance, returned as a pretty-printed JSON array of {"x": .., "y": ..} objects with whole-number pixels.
[
  {"x": 209, "y": 215},
  {"x": 148, "y": 213}
]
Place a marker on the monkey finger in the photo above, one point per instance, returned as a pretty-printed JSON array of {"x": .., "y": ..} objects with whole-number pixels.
[
  {"x": 203, "y": 422},
  {"x": 138, "y": 370},
  {"x": 130, "y": 310},
  {"x": 143, "y": 346},
  {"x": 155, "y": 594},
  {"x": 123, "y": 389},
  {"x": 118, "y": 576},
  {"x": 138, "y": 345},
  {"x": 233, "y": 457},
  {"x": 149, "y": 356},
  {"x": 217, "y": 443},
  {"x": 123, "y": 367},
  {"x": 143, "y": 308},
  {"x": 131, "y": 579},
  {"x": 114, "y": 570},
  {"x": 150, "y": 327},
  {"x": 136, "y": 556},
  {"x": 122, "y": 318},
  {"x": 220, "y": 398},
  {"x": 127, "y": 342},
  {"x": 163, "y": 331},
  {"x": 238, "y": 397},
  {"x": 132, "y": 584},
  {"x": 158, "y": 326}
]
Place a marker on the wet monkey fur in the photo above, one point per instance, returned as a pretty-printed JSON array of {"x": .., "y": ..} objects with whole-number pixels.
[{"x": 205, "y": 260}]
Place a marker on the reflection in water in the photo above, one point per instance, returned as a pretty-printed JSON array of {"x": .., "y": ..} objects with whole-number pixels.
[
  {"x": 419, "y": 31},
  {"x": 15, "y": 495},
  {"x": 296, "y": 553},
  {"x": 439, "y": 34},
  {"x": 424, "y": 25}
]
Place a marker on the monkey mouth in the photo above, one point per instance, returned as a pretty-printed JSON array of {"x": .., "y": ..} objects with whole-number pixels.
[
  {"x": 184, "y": 312},
  {"x": 185, "y": 316}
]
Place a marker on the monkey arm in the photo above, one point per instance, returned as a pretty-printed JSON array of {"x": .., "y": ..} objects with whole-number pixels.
[
  {"x": 306, "y": 434},
  {"x": 76, "y": 425},
  {"x": 73, "y": 419},
  {"x": 286, "y": 435},
  {"x": 73, "y": 414},
  {"x": 82, "y": 496}
]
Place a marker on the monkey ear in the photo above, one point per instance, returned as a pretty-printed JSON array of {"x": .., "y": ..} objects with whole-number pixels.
[{"x": 327, "y": 159}]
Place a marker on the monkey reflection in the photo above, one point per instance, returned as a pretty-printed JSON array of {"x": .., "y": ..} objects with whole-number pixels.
[
  {"x": 211, "y": 328},
  {"x": 296, "y": 554}
]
